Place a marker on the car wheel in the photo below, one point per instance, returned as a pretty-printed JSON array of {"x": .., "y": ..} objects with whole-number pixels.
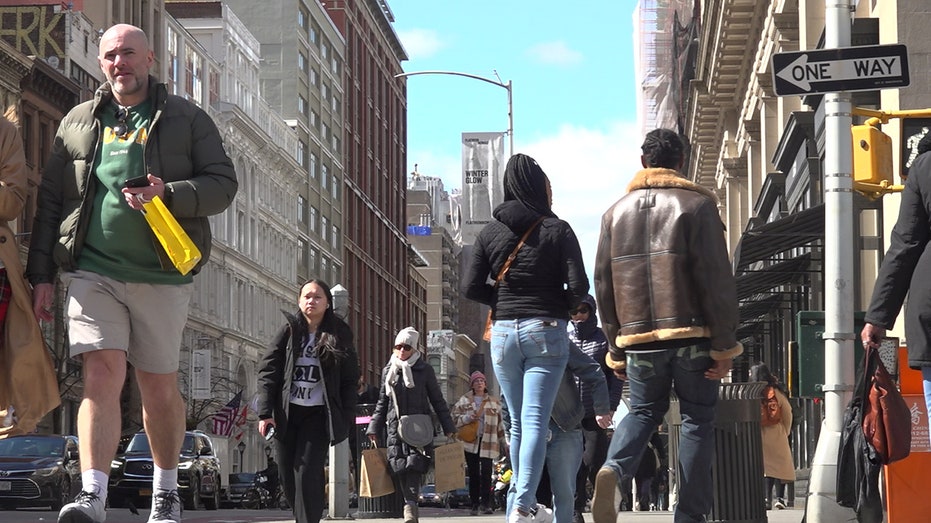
[
  {"x": 64, "y": 495},
  {"x": 213, "y": 502},
  {"x": 193, "y": 500}
]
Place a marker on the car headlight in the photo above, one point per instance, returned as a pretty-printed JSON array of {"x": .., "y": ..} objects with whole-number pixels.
[
  {"x": 115, "y": 464},
  {"x": 50, "y": 471},
  {"x": 185, "y": 465}
]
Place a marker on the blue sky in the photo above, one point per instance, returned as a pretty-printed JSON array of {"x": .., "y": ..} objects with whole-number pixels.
[{"x": 571, "y": 65}]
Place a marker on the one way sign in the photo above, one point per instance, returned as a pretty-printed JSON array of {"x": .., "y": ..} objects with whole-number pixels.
[{"x": 861, "y": 68}]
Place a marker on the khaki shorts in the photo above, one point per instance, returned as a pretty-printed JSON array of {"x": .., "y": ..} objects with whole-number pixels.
[{"x": 144, "y": 320}]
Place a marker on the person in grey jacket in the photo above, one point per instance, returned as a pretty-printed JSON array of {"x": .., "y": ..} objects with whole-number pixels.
[
  {"x": 585, "y": 332},
  {"x": 564, "y": 444},
  {"x": 126, "y": 301}
]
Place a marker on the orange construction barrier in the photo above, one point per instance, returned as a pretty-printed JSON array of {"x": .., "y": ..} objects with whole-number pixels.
[{"x": 907, "y": 497}]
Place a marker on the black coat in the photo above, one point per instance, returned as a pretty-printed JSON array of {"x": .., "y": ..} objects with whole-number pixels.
[
  {"x": 909, "y": 255},
  {"x": 416, "y": 400},
  {"x": 547, "y": 277},
  {"x": 339, "y": 366}
]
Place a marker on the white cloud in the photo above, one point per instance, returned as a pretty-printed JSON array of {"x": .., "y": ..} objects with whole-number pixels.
[
  {"x": 589, "y": 170},
  {"x": 554, "y": 53},
  {"x": 421, "y": 43}
]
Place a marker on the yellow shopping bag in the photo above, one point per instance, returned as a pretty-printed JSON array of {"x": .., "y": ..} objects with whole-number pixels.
[{"x": 182, "y": 251}]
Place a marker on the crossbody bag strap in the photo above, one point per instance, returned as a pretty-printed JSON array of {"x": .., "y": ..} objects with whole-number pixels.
[{"x": 523, "y": 239}]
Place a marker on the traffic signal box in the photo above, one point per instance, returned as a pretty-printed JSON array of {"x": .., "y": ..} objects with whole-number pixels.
[
  {"x": 872, "y": 155},
  {"x": 907, "y": 497}
]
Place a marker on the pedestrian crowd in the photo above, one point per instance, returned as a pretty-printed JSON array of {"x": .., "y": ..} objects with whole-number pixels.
[{"x": 663, "y": 290}]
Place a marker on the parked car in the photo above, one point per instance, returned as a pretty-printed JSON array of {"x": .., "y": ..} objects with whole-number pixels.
[
  {"x": 38, "y": 470},
  {"x": 429, "y": 497},
  {"x": 238, "y": 483},
  {"x": 199, "y": 478},
  {"x": 458, "y": 498}
]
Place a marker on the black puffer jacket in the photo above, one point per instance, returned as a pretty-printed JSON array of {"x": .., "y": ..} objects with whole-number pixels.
[
  {"x": 546, "y": 279},
  {"x": 591, "y": 339},
  {"x": 416, "y": 400},
  {"x": 339, "y": 365}
]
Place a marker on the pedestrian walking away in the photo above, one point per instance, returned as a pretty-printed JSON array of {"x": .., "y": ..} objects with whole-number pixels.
[
  {"x": 307, "y": 393},
  {"x": 126, "y": 302},
  {"x": 409, "y": 390},
  {"x": 668, "y": 304},
  {"x": 536, "y": 261}
]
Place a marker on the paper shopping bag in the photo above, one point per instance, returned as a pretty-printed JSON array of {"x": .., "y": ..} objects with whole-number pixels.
[
  {"x": 374, "y": 478},
  {"x": 177, "y": 244},
  {"x": 450, "y": 467}
]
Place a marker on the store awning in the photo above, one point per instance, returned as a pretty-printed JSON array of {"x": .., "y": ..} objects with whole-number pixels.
[
  {"x": 755, "y": 282},
  {"x": 764, "y": 241},
  {"x": 753, "y": 309}
]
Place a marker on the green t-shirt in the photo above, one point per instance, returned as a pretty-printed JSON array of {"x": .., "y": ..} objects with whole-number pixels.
[{"x": 119, "y": 243}]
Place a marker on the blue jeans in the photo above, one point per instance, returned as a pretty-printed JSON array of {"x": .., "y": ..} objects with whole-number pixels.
[
  {"x": 563, "y": 458},
  {"x": 529, "y": 357},
  {"x": 652, "y": 375}
]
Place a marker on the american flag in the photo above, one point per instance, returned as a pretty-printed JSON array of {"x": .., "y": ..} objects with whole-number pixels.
[{"x": 225, "y": 419}]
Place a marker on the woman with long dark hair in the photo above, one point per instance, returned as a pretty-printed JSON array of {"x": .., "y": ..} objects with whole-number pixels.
[
  {"x": 530, "y": 307},
  {"x": 307, "y": 395}
]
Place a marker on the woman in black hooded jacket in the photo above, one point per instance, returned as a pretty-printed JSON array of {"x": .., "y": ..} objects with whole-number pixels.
[
  {"x": 530, "y": 308},
  {"x": 307, "y": 394}
]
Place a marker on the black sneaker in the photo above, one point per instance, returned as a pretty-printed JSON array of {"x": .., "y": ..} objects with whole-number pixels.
[
  {"x": 577, "y": 517},
  {"x": 87, "y": 507},
  {"x": 166, "y": 507}
]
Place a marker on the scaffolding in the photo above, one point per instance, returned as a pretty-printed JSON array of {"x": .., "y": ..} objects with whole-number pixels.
[{"x": 665, "y": 39}]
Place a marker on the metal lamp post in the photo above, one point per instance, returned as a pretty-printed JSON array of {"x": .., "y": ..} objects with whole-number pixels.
[
  {"x": 506, "y": 86},
  {"x": 242, "y": 448}
]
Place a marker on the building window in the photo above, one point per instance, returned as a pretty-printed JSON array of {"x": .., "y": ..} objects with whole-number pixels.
[
  {"x": 313, "y": 219},
  {"x": 302, "y": 257},
  {"x": 325, "y": 53},
  {"x": 334, "y": 238},
  {"x": 314, "y": 77},
  {"x": 314, "y": 32},
  {"x": 302, "y": 17},
  {"x": 334, "y": 65},
  {"x": 324, "y": 176},
  {"x": 301, "y": 153},
  {"x": 302, "y": 105},
  {"x": 334, "y": 189},
  {"x": 335, "y": 105},
  {"x": 302, "y": 62},
  {"x": 324, "y": 229},
  {"x": 315, "y": 120},
  {"x": 325, "y": 92},
  {"x": 313, "y": 166},
  {"x": 301, "y": 209}
]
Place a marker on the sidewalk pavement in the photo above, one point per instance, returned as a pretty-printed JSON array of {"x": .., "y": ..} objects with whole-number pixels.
[{"x": 789, "y": 515}]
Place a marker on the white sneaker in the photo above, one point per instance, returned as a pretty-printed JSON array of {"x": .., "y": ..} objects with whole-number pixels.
[
  {"x": 166, "y": 507},
  {"x": 87, "y": 507},
  {"x": 517, "y": 517},
  {"x": 543, "y": 514}
]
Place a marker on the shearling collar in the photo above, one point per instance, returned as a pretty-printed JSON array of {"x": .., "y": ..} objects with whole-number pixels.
[{"x": 662, "y": 178}]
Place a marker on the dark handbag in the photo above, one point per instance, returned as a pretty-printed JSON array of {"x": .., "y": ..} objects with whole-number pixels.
[
  {"x": 887, "y": 422},
  {"x": 486, "y": 335}
]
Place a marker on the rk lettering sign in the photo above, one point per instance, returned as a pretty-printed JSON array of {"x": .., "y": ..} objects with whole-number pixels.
[{"x": 861, "y": 68}]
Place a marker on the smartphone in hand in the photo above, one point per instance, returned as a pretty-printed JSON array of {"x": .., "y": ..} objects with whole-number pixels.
[{"x": 139, "y": 181}]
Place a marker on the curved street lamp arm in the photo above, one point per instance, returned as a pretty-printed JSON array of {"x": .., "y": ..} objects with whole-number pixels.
[{"x": 455, "y": 73}]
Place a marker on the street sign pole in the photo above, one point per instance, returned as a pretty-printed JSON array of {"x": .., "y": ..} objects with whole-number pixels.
[{"x": 821, "y": 505}]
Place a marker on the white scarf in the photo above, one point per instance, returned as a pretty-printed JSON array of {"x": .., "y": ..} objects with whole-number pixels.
[{"x": 398, "y": 366}]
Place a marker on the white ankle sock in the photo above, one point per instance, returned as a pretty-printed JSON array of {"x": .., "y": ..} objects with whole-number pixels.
[
  {"x": 95, "y": 481},
  {"x": 165, "y": 479}
]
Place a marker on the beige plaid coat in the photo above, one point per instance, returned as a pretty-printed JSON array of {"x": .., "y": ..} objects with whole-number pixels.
[{"x": 464, "y": 413}]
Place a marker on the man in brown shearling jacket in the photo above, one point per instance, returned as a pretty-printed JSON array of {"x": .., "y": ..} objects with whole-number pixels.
[{"x": 668, "y": 305}]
